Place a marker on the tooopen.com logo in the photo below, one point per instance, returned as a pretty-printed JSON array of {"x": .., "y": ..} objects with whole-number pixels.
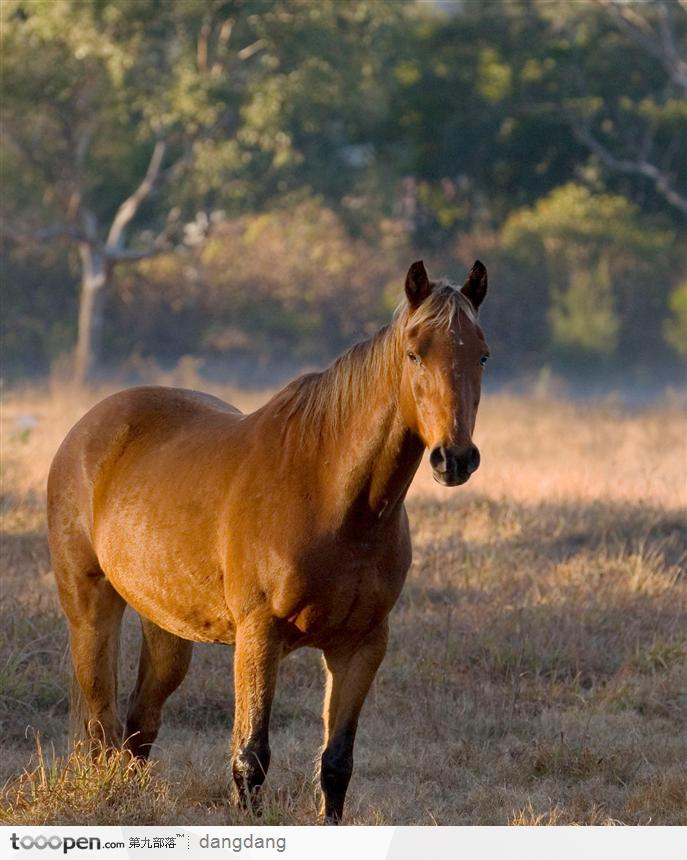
[{"x": 61, "y": 843}]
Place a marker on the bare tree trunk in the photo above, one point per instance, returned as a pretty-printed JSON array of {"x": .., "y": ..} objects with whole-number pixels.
[{"x": 94, "y": 280}]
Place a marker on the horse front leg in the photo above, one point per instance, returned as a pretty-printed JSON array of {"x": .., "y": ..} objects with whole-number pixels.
[
  {"x": 256, "y": 663},
  {"x": 350, "y": 673}
]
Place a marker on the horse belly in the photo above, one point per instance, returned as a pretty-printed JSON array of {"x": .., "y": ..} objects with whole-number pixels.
[
  {"x": 169, "y": 575},
  {"x": 189, "y": 619}
]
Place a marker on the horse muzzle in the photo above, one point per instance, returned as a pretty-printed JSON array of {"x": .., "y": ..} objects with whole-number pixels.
[{"x": 452, "y": 467}]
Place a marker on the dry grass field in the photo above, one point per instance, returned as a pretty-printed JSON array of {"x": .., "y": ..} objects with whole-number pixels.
[{"x": 537, "y": 669}]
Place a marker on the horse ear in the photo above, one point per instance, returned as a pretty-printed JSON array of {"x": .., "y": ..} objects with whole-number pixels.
[
  {"x": 418, "y": 286},
  {"x": 475, "y": 288}
]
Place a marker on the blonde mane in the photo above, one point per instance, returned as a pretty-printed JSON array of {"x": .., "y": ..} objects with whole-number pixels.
[
  {"x": 323, "y": 401},
  {"x": 442, "y": 306}
]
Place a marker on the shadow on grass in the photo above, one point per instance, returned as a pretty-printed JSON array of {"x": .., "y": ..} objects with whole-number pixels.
[
  {"x": 559, "y": 531},
  {"x": 567, "y": 596}
]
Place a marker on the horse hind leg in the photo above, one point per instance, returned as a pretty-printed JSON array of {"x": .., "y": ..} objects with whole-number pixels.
[
  {"x": 94, "y": 611},
  {"x": 163, "y": 664}
]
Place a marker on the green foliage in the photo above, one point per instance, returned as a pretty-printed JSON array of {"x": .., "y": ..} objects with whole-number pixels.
[
  {"x": 289, "y": 281},
  {"x": 675, "y": 328},
  {"x": 38, "y": 309},
  {"x": 600, "y": 260},
  {"x": 343, "y": 140},
  {"x": 583, "y": 315},
  {"x": 494, "y": 76},
  {"x": 572, "y": 219},
  {"x": 245, "y": 86}
]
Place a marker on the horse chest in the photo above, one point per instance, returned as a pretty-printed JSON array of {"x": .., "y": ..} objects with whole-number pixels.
[{"x": 341, "y": 593}]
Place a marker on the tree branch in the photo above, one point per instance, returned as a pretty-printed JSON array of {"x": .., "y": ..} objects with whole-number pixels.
[
  {"x": 160, "y": 245},
  {"x": 666, "y": 28},
  {"x": 127, "y": 255},
  {"x": 247, "y": 52},
  {"x": 26, "y": 234},
  {"x": 130, "y": 206},
  {"x": 88, "y": 230},
  {"x": 90, "y": 225},
  {"x": 202, "y": 47},
  {"x": 639, "y": 167},
  {"x": 662, "y": 44}
]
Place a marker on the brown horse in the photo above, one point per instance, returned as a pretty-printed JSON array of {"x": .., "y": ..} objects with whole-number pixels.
[{"x": 271, "y": 531}]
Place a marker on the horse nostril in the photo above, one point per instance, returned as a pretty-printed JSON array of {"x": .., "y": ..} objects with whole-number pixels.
[
  {"x": 473, "y": 460},
  {"x": 437, "y": 458}
]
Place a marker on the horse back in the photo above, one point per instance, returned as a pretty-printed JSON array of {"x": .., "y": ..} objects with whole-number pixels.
[{"x": 145, "y": 415}]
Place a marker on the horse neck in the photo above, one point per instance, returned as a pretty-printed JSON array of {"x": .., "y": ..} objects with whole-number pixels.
[
  {"x": 374, "y": 453},
  {"x": 388, "y": 468}
]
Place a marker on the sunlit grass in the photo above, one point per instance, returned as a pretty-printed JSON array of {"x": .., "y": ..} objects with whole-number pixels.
[{"x": 111, "y": 788}]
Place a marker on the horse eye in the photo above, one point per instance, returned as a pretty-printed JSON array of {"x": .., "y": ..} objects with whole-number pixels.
[
  {"x": 483, "y": 360},
  {"x": 413, "y": 357}
]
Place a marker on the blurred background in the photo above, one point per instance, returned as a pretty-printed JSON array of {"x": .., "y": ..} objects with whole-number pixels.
[{"x": 238, "y": 186}]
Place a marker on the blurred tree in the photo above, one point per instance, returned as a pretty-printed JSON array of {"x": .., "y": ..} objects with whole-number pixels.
[
  {"x": 107, "y": 104},
  {"x": 96, "y": 102},
  {"x": 675, "y": 327},
  {"x": 490, "y": 111},
  {"x": 645, "y": 134},
  {"x": 288, "y": 282},
  {"x": 467, "y": 124},
  {"x": 617, "y": 76},
  {"x": 601, "y": 261},
  {"x": 135, "y": 127}
]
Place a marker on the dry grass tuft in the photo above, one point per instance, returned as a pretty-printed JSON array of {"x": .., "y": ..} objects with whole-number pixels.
[
  {"x": 537, "y": 669},
  {"x": 112, "y": 788}
]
